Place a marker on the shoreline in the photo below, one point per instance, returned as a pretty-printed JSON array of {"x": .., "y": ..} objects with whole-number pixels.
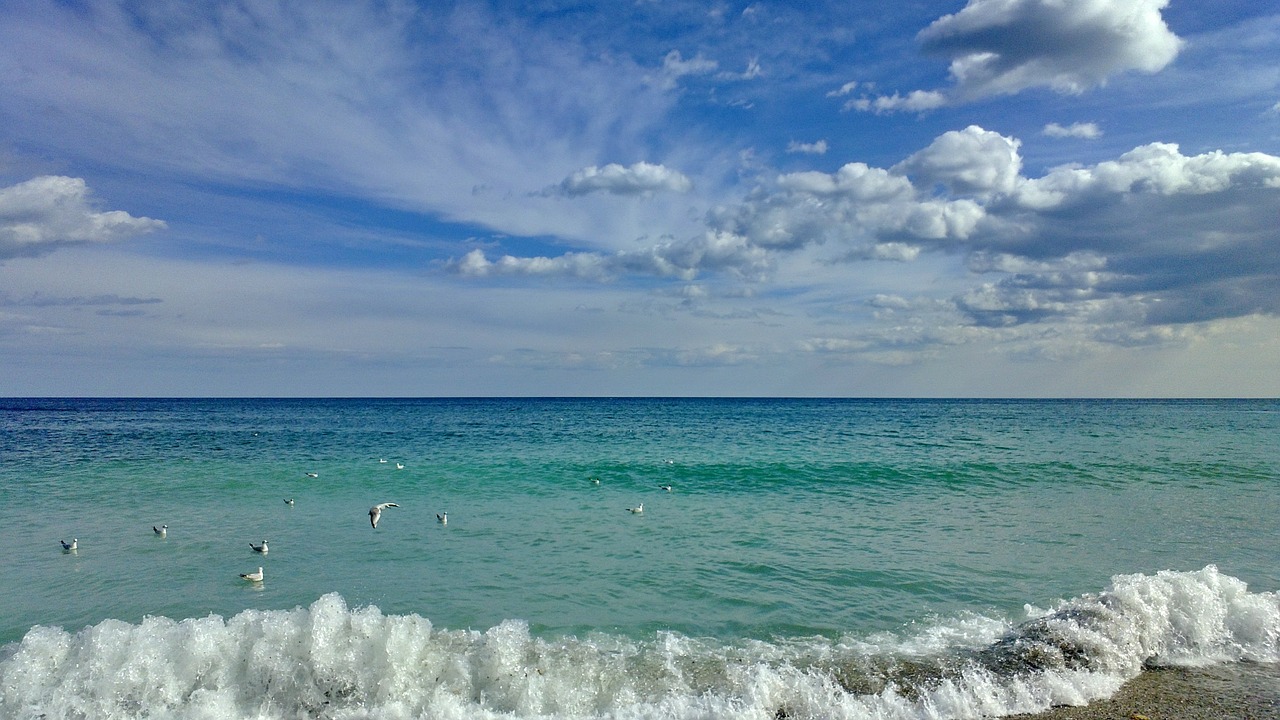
[{"x": 1234, "y": 691}]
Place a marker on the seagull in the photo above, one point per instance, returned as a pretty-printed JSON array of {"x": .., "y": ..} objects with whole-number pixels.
[
  {"x": 442, "y": 518},
  {"x": 375, "y": 512},
  {"x": 665, "y": 487},
  {"x": 595, "y": 481},
  {"x": 69, "y": 546},
  {"x": 253, "y": 577},
  {"x": 260, "y": 548},
  {"x": 637, "y": 509},
  {"x": 399, "y": 466},
  {"x": 288, "y": 501},
  {"x": 162, "y": 531},
  {"x": 382, "y": 460}
]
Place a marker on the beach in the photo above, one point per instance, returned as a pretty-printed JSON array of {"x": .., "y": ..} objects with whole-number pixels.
[{"x": 1238, "y": 691}]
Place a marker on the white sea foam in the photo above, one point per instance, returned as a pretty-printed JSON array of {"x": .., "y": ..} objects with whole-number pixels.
[{"x": 332, "y": 661}]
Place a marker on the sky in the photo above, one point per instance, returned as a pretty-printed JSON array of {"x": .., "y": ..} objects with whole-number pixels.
[{"x": 992, "y": 198}]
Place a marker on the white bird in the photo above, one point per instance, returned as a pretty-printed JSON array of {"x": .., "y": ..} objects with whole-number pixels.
[
  {"x": 69, "y": 546},
  {"x": 665, "y": 487},
  {"x": 288, "y": 501},
  {"x": 595, "y": 481},
  {"x": 399, "y": 466},
  {"x": 253, "y": 577},
  {"x": 311, "y": 474},
  {"x": 375, "y": 512},
  {"x": 637, "y": 509},
  {"x": 162, "y": 531},
  {"x": 442, "y": 518},
  {"x": 382, "y": 460},
  {"x": 260, "y": 548}
]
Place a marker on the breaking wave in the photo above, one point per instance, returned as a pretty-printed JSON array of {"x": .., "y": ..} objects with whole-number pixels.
[{"x": 332, "y": 661}]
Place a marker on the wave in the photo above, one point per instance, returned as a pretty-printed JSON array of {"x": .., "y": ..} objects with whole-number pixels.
[{"x": 332, "y": 661}]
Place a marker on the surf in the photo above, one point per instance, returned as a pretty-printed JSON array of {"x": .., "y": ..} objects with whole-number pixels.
[{"x": 329, "y": 660}]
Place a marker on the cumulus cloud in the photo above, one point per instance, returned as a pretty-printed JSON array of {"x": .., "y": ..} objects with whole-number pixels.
[
  {"x": 1086, "y": 131},
  {"x": 1128, "y": 251},
  {"x": 966, "y": 162},
  {"x": 42, "y": 214},
  {"x": 642, "y": 178},
  {"x": 1003, "y": 47},
  {"x": 915, "y": 101},
  {"x": 711, "y": 252}
]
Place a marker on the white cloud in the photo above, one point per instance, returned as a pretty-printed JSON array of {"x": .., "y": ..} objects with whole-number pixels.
[
  {"x": 1086, "y": 131},
  {"x": 1003, "y": 47},
  {"x": 967, "y": 162},
  {"x": 408, "y": 107},
  {"x": 642, "y": 178},
  {"x": 45, "y": 213},
  {"x": 914, "y": 101},
  {"x": 844, "y": 89},
  {"x": 580, "y": 265},
  {"x": 712, "y": 252},
  {"x": 1158, "y": 168},
  {"x": 813, "y": 148},
  {"x": 674, "y": 67}
]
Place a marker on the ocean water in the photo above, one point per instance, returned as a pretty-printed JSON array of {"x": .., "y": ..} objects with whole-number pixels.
[{"x": 812, "y": 558}]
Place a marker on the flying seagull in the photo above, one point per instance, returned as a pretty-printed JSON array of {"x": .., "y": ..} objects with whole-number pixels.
[
  {"x": 375, "y": 512},
  {"x": 162, "y": 531},
  {"x": 260, "y": 548},
  {"x": 69, "y": 546},
  {"x": 253, "y": 577}
]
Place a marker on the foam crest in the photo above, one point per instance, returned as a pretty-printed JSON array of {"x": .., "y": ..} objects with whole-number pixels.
[{"x": 332, "y": 661}]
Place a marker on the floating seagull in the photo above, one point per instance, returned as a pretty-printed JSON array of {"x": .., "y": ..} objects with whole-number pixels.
[
  {"x": 375, "y": 512},
  {"x": 69, "y": 546},
  {"x": 260, "y": 548},
  {"x": 253, "y": 577},
  {"x": 665, "y": 487},
  {"x": 288, "y": 501},
  {"x": 162, "y": 531},
  {"x": 311, "y": 474},
  {"x": 382, "y": 460},
  {"x": 595, "y": 481},
  {"x": 637, "y": 509},
  {"x": 442, "y": 518},
  {"x": 399, "y": 466}
]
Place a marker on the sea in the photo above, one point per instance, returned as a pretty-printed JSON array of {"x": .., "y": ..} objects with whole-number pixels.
[{"x": 665, "y": 558}]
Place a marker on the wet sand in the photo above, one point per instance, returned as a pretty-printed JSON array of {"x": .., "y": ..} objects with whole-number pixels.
[{"x": 1245, "y": 691}]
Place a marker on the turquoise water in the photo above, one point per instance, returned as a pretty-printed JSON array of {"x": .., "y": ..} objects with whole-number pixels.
[{"x": 807, "y": 552}]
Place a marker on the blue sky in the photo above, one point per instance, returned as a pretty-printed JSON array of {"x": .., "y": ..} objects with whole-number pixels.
[{"x": 991, "y": 198}]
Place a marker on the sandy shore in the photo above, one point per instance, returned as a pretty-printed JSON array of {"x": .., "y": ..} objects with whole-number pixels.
[{"x": 1227, "y": 692}]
